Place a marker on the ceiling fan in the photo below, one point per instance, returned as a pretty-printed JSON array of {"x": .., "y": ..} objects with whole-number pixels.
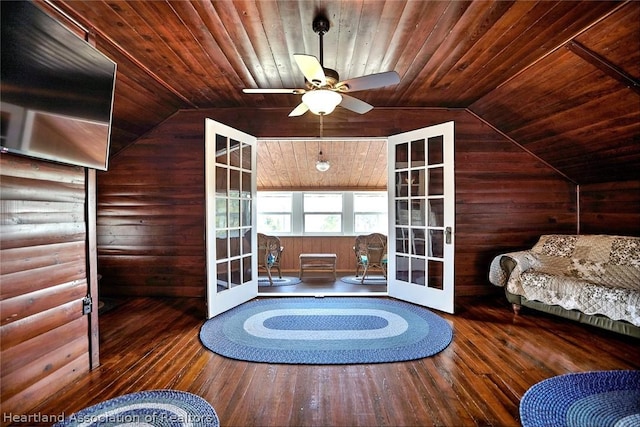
[{"x": 324, "y": 89}]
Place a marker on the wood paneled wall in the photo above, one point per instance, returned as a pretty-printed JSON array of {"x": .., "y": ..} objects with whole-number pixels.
[
  {"x": 151, "y": 216},
  {"x": 44, "y": 335},
  {"x": 342, "y": 246},
  {"x": 610, "y": 208},
  {"x": 151, "y": 212}
]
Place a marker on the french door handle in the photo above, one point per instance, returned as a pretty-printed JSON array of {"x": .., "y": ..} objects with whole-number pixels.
[{"x": 447, "y": 235}]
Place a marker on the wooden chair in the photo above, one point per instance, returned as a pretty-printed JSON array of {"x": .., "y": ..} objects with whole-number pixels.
[
  {"x": 269, "y": 254},
  {"x": 371, "y": 252}
]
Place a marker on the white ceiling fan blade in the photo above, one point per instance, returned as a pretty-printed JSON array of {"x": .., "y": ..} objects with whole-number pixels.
[
  {"x": 311, "y": 68},
  {"x": 287, "y": 91},
  {"x": 354, "y": 104},
  {"x": 299, "y": 110},
  {"x": 372, "y": 81}
]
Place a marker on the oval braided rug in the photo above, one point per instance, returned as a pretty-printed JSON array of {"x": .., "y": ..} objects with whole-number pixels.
[
  {"x": 158, "y": 408},
  {"x": 599, "y": 398},
  {"x": 337, "y": 330}
]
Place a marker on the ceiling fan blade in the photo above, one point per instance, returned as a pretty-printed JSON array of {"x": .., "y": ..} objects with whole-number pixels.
[
  {"x": 287, "y": 91},
  {"x": 354, "y": 104},
  {"x": 299, "y": 110},
  {"x": 311, "y": 68},
  {"x": 372, "y": 81}
]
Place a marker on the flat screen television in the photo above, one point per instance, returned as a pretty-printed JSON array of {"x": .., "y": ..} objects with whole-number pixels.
[{"x": 56, "y": 90}]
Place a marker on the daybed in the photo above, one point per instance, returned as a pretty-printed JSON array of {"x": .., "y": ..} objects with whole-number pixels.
[{"x": 594, "y": 279}]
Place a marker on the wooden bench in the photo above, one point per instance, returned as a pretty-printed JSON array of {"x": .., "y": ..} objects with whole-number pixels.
[{"x": 318, "y": 262}]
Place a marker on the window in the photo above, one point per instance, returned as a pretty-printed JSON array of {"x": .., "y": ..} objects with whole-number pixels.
[
  {"x": 370, "y": 212},
  {"x": 322, "y": 212},
  {"x": 334, "y": 213},
  {"x": 274, "y": 212}
]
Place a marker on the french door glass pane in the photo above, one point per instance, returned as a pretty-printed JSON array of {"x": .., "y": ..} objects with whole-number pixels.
[
  {"x": 436, "y": 275},
  {"x": 437, "y": 243},
  {"x": 436, "y": 212},
  {"x": 222, "y": 276},
  {"x": 221, "y": 180},
  {"x": 417, "y": 153},
  {"x": 221, "y": 213},
  {"x": 402, "y": 155},
  {"x": 436, "y": 150},
  {"x": 417, "y": 271},
  {"x": 247, "y": 275},
  {"x": 234, "y": 153},
  {"x": 221, "y": 149},
  {"x": 436, "y": 181}
]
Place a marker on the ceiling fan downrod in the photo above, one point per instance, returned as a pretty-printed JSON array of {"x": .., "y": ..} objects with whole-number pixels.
[{"x": 321, "y": 27}]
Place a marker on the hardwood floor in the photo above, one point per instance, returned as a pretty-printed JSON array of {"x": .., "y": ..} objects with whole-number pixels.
[
  {"x": 323, "y": 284},
  {"x": 479, "y": 379}
]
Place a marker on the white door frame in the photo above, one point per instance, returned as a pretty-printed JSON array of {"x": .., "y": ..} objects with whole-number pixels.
[
  {"x": 437, "y": 230},
  {"x": 439, "y": 297},
  {"x": 230, "y": 161}
]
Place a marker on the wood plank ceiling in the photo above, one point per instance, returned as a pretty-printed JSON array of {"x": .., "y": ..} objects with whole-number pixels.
[{"x": 560, "y": 78}]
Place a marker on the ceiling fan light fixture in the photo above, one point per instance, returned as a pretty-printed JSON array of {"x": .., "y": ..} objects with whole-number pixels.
[{"x": 322, "y": 101}]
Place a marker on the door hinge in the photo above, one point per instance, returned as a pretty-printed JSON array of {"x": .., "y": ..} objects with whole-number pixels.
[{"x": 87, "y": 305}]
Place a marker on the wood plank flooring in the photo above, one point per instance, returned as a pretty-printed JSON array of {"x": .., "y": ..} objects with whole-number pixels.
[{"x": 479, "y": 379}]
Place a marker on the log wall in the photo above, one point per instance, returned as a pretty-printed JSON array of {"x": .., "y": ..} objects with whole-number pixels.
[
  {"x": 44, "y": 335},
  {"x": 151, "y": 201}
]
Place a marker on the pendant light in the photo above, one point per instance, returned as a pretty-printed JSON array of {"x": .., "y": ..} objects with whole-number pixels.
[{"x": 322, "y": 165}]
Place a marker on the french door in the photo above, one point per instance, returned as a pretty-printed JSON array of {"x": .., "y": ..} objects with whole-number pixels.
[
  {"x": 422, "y": 216},
  {"x": 230, "y": 188}
]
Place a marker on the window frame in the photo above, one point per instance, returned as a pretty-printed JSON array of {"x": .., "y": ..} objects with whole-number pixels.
[
  {"x": 275, "y": 212},
  {"x": 297, "y": 212},
  {"x": 385, "y": 212}
]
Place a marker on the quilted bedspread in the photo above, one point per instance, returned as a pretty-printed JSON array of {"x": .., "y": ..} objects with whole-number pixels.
[{"x": 596, "y": 274}]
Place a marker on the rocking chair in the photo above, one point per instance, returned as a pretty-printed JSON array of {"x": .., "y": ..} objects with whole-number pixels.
[
  {"x": 269, "y": 254},
  {"x": 371, "y": 252}
]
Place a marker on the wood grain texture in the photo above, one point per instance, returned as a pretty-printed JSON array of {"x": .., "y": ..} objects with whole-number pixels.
[
  {"x": 151, "y": 201},
  {"x": 610, "y": 208},
  {"x": 478, "y": 380},
  {"x": 43, "y": 334},
  {"x": 510, "y": 63}
]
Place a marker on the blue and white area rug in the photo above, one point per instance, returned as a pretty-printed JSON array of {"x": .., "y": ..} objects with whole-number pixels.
[
  {"x": 323, "y": 331},
  {"x": 156, "y": 408},
  {"x": 369, "y": 280},
  {"x": 284, "y": 281},
  {"x": 599, "y": 398}
]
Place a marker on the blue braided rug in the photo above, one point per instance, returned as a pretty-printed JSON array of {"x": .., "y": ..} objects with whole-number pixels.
[
  {"x": 158, "y": 408},
  {"x": 285, "y": 281},
  {"x": 369, "y": 280},
  {"x": 323, "y": 331},
  {"x": 600, "y": 398}
]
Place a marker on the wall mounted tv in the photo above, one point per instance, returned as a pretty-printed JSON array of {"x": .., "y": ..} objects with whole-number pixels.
[{"x": 56, "y": 90}]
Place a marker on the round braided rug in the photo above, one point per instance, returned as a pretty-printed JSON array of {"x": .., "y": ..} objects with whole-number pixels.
[
  {"x": 599, "y": 398},
  {"x": 326, "y": 331},
  {"x": 158, "y": 408}
]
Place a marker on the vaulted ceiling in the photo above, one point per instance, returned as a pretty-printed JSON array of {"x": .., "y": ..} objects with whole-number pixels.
[{"x": 558, "y": 78}]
